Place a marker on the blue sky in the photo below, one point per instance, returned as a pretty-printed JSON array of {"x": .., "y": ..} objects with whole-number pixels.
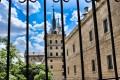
[{"x": 36, "y": 14}]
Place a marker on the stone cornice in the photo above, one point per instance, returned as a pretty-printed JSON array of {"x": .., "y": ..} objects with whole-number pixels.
[{"x": 85, "y": 19}]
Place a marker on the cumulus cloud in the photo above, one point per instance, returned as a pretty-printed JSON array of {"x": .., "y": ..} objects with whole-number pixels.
[
  {"x": 39, "y": 47},
  {"x": 38, "y": 38},
  {"x": 74, "y": 16},
  {"x": 21, "y": 41},
  {"x": 66, "y": 28},
  {"x": 17, "y": 25},
  {"x": 34, "y": 7},
  {"x": 41, "y": 26}
]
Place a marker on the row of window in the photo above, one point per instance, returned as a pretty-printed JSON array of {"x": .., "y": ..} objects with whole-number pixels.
[
  {"x": 56, "y": 41},
  {"x": 52, "y": 60},
  {"x": 105, "y": 27},
  {"x": 55, "y": 47},
  {"x": 51, "y": 54},
  {"x": 109, "y": 61},
  {"x": 51, "y": 66},
  {"x": 72, "y": 49},
  {"x": 68, "y": 69}
]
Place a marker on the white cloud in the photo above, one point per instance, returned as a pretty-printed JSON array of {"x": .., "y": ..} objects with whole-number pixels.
[
  {"x": 66, "y": 28},
  {"x": 2, "y": 46},
  {"x": 14, "y": 12},
  {"x": 34, "y": 22},
  {"x": 41, "y": 26},
  {"x": 39, "y": 47},
  {"x": 21, "y": 41},
  {"x": 49, "y": 13},
  {"x": 38, "y": 38},
  {"x": 34, "y": 7},
  {"x": 17, "y": 25},
  {"x": 58, "y": 15},
  {"x": 75, "y": 17}
]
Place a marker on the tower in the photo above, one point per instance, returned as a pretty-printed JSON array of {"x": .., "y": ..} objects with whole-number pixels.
[{"x": 55, "y": 52}]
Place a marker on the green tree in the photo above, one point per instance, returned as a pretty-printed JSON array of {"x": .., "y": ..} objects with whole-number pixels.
[{"x": 18, "y": 69}]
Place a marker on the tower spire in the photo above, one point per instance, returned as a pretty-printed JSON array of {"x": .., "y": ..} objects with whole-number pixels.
[
  {"x": 58, "y": 22},
  {"x": 53, "y": 20}
]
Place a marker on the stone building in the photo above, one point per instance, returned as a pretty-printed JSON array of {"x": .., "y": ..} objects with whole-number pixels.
[
  {"x": 55, "y": 51},
  {"x": 89, "y": 51},
  {"x": 35, "y": 57}
]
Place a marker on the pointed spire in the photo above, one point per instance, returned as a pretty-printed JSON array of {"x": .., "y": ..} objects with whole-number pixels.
[
  {"x": 53, "y": 20},
  {"x": 58, "y": 22}
]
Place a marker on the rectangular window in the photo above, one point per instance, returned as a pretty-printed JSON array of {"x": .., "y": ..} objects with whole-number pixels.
[
  {"x": 50, "y": 41},
  {"x": 56, "y": 41},
  {"x": 56, "y": 54},
  {"x": 51, "y": 54},
  {"x": 105, "y": 25},
  {"x": 110, "y": 63},
  {"x": 61, "y": 41},
  {"x": 74, "y": 68},
  {"x": 93, "y": 65},
  {"x": 50, "y": 47},
  {"x": 73, "y": 48},
  {"x": 90, "y": 36},
  {"x": 56, "y": 47},
  {"x": 68, "y": 70},
  {"x": 62, "y": 66},
  {"x": 51, "y": 67},
  {"x": 51, "y": 60}
]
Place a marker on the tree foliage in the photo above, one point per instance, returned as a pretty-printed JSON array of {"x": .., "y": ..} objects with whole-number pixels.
[{"x": 17, "y": 67}]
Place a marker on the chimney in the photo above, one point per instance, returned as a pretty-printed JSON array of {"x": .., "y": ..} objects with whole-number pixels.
[
  {"x": 85, "y": 11},
  {"x": 33, "y": 52}
]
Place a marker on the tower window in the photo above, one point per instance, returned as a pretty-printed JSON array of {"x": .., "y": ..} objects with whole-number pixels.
[
  {"x": 105, "y": 25},
  {"x": 110, "y": 63},
  {"x": 93, "y": 65},
  {"x": 56, "y": 54},
  {"x": 90, "y": 36},
  {"x": 74, "y": 68},
  {"x": 51, "y": 54},
  {"x": 50, "y": 47},
  {"x": 50, "y": 41},
  {"x": 56, "y": 47},
  {"x": 51, "y": 60},
  {"x": 56, "y": 41},
  {"x": 73, "y": 48}
]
